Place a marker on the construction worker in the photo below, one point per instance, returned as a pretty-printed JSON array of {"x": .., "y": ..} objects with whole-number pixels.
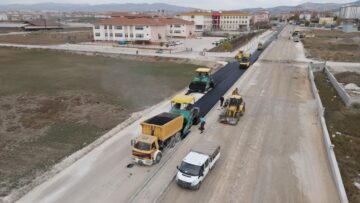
[
  {"x": 221, "y": 101},
  {"x": 202, "y": 124}
]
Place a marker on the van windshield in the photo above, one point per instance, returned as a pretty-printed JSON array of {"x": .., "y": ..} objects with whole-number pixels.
[
  {"x": 142, "y": 146},
  {"x": 189, "y": 169}
]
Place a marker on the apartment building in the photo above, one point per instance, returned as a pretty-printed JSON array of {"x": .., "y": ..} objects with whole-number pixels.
[
  {"x": 141, "y": 28},
  {"x": 218, "y": 20},
  {"x": 261, "y": 16},
  {"x": 202, "y": 20},
  {"x": 234, "y": 20}
]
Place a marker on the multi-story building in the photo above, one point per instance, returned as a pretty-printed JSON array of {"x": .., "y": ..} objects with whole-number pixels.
[
  {"x": 349, "y": 12},
  {"x": 326, "y": 21},
  {"x": 305, "y": 16},
  {"x": 218, "y": 20},
  {"x": 202, "y": 20},
  {"x": 141, "y": 28},
  {"x": 3, "y": 17},
  {"x": 261, "y": 16}
]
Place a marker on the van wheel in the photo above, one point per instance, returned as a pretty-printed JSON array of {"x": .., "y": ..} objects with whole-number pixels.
[
  {"x": 198, "y": 186},
  {"x": 158, "y": 157}
]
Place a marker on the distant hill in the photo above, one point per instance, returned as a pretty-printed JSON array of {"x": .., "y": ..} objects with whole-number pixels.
[
  {"x": 95, "y": 8},
  {"x": 305, "y": 6}
]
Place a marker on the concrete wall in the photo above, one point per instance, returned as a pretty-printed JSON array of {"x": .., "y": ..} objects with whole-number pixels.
[
  {"x": 345, "y": 97},
  {"x": 328, "y": 145}
]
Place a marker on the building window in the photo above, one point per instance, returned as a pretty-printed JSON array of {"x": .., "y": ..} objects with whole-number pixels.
[
  {"x": 177, "y": 31},
  {"x": 177, "y": 26},
  {"x": 192, "y": 16},
  {"x": 111, "y": 34},
  {"x": 97, "y": 27},
  {"x": 139, "y": 27},
  {"x": 198, "y": 27},
  {"x": 106, "y": 34},
  {"x": 139, "y": 35},
  {"x": 126, "y": 35},
  {"x": 105, "y": 27},
  {"x": 110, "y": 27},
  {"x": 131, "y": 35},
  {"x": 118, "y": 35},
  {"x": 97, "y": 34},
  {"x": 118, "y": 27}
]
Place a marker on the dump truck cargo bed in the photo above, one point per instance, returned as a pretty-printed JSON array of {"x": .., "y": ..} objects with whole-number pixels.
[{"x": 163, "y": 125}]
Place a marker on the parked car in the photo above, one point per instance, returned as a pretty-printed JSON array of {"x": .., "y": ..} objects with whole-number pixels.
[{"x": 159, "y": 51}]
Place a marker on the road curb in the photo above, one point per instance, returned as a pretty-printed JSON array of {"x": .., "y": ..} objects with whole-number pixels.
[{"x": 327, "y": 142}]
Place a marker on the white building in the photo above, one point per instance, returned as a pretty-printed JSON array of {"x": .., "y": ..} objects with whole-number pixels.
[
  {"x": 305, "y": 16},
  {"x": 350, "y": 12},
  {"x": 3, "y": 17},
  {"x": 218, "y": 20},
  {"x": 202, "y": 20},
  {"x": 233, "y": 20},
  {"x": 261, "y": 16},
  {"x": 142, "y": 28}
]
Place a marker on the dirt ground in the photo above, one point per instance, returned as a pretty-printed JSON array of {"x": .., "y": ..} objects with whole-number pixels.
[
  {"x": 343, "y": 125},
  {"x": 348, "y": 77},
  {"x": 54, "y": 103},
  {"x": 50, "y": 37},
  {"x": 332, "y": 45}
]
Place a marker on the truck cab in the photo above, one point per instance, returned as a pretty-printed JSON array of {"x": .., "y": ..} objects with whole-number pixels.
[
  {"x": 184, "y": 105},
  {"x": 197, "y": 164},
  {"x": 203, "y": 81},
  {"x": 146, "y": 150}
]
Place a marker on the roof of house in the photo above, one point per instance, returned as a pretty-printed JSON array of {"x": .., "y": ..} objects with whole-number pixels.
[
  {"x": 143, "y": 20},
  {"x": 221, "y": 13}
]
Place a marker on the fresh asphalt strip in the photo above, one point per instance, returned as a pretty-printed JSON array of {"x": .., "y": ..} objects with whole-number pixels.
[{"x": 225, "y": 78}]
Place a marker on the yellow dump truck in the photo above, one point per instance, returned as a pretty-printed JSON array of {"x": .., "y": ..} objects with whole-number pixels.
[{"x": 157, "y": 133}]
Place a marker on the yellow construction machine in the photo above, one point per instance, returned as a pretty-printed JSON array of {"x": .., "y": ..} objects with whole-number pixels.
[
  {"x": 234, "y": 107},
  {"x": 243, "y": 58}
]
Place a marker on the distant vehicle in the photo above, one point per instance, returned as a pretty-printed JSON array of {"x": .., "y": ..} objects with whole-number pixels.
[
  {"x": 216, "y": 43},
  {"x": 178, "y": 42},
  {"x": 260, "y": 46},
  {"x": 197, "y": 164},
  {"x": 159, "y": 51},
  {"x": 296, "y": 39}
]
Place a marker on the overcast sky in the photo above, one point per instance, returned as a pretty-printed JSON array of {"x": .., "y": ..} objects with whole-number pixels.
[{"x": 204, "y": 4}]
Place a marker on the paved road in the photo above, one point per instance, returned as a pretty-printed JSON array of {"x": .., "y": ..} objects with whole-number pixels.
[{"x": 276, "y": 152}]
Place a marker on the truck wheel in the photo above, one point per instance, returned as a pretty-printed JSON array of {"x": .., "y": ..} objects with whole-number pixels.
[
  {"x": 158, "y": 157},
  {"x": 177, "y": 137},
  {"x": 172, "y": 142}
]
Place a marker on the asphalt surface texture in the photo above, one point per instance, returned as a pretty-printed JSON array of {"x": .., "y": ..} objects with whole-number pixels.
[{"x": 225, "y": 78}]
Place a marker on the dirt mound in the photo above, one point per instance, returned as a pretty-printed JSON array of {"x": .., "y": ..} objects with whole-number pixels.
[{"x": 348, "y": 77}]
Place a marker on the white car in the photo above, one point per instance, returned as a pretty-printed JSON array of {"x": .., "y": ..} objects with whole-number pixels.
[{"x": 197, "y": 165}]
